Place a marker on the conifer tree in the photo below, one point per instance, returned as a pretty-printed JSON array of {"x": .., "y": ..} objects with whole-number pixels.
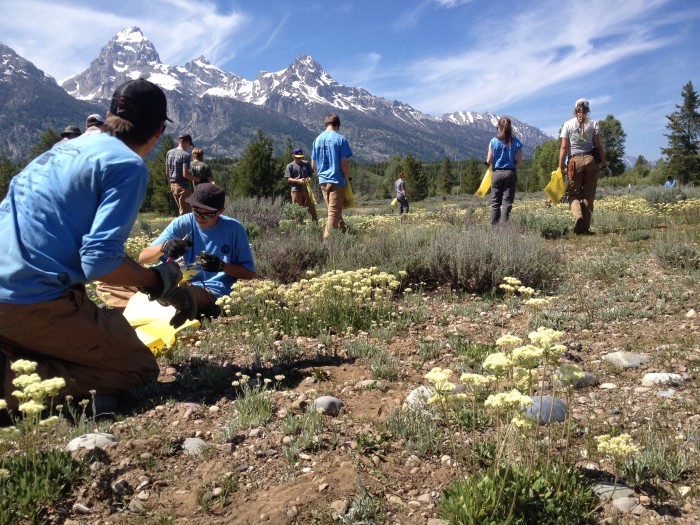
[
  {"x": 256, "y": 173},
  {"x": 612, "y": 139},
  {"x": 683, "y": 137}
]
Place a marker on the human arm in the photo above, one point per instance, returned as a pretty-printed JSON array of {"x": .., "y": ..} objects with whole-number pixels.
[
  {"x": 129, "y": 273},
  {"x": 601, "y": 151},
  {"x": 562, "y": 154},
  {"x": 519, "y": 157},
  {"x": 489, "y": 156},
  {"x": 345, "y": 168}
]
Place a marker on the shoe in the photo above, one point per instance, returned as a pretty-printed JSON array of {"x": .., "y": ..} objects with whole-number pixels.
[
  {"x": 102, "y": 405},
  {"x": 579, "y": 227}
]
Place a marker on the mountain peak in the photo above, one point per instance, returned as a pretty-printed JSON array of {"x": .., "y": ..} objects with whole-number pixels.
[{"x": 130, "y": 35}]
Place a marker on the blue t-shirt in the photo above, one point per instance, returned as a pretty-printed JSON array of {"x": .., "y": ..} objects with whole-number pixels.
[
  {"x": 504, "y": 156},
  {"x": 67, "y": 216},
  {"x": 328, "y": 149},
  {"x": 227, "y": 239}
]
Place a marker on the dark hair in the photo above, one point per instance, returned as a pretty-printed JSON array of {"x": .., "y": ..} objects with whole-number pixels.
[
  {"x": 332, "y": 120},
  {"x": 198, "y": 153},
  {"x": 505, "y": 130}
]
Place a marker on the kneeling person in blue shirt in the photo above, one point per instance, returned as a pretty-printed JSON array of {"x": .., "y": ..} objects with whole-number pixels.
[{"x": 209, "y": 239}]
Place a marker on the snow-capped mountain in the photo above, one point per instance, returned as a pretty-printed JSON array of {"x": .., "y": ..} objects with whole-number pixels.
[{"x": 223, "y": 111}]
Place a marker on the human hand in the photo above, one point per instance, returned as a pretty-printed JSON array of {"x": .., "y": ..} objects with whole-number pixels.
[
  {"x": 210, "y": 262},
  {"x": 183, "y": 301},
  {"x": 175, "y": 247},
  {"x": 170, "y": 275},
  {"x": 608, "y": 171}
]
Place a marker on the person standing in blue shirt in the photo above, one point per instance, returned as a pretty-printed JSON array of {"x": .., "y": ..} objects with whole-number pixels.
[
  {"x": 329, "y": 158},
  {"x": 505, "y": 153},
  {"x": 64, "y": 222},
  {"x": 207, "y": 238},
  {"x": 670, "y": 183}
]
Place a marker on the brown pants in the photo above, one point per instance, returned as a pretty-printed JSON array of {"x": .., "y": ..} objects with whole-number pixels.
[
  {"x": 303, "y": 199},
  {"x": 180, "y": 193},
  {"x": 334, "y": 196},
  {"x": 583, "y": 181},
  {"x": 70, "y": 337}
]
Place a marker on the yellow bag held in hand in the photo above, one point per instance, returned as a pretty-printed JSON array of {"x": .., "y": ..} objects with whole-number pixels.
[
  {"x": 311, "y": 192},
  {"x": 349, "y": 201},
  {"x": 485, "y": 184},
  {"x": 556, "y": 187},
  {"x": 395, "y": 202}
]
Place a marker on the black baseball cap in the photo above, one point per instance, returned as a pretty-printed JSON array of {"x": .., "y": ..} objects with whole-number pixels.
[
  {"x": 140, "y": 102},
  {"x": 185, "y": 136},
  {"x": 208, "y": 197}
]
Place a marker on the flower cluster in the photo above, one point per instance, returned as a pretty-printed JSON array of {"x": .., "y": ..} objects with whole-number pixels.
[
  {"x": 618, "y": 448},
  {"x": 361, "y": 288},
  {"x": 442, "y": 386},
  {"x": 508, "y": 401}
]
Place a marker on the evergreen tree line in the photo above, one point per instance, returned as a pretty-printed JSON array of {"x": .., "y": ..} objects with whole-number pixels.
[{"x": 257, "y": 173}]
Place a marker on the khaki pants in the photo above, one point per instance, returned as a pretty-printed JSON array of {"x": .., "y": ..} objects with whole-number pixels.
[
  {"x": 89, "y": 347},
  {"x": 334, "y": 196},
  {"x": 303, "y": 199},
  {"x": 180, "y": 193},
  {"x": 583, "y": 181}
]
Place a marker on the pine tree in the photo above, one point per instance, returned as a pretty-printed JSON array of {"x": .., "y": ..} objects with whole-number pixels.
[
  {"x": 256, "y": 173},
  {"x": 446, "y": 179},
  {"x": 158, "y": 197},
  {"x": 545, "y": 161},
  {"x": 8, "y": 169},
  {"x": 46, "y": 141},
  {"x": 684, "y": 128},
  {"x": 417, "y": 181}
]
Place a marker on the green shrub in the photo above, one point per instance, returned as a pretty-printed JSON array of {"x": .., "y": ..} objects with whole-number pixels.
[
  {"x": 548, "y": 224},
  {"x": 32, "y": 483},
  {"x": 677, "y": 252},
  {"x": 286, "y": 257},
  {"x": 260, "y": 216},
  {"x": 418, "y": 429},
  {"x": 516, "y": 494},
  {"x": 660, "y": 195}
]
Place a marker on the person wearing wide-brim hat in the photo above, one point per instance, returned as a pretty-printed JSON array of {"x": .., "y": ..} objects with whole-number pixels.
[
  {"x": 64, "y": 222},
  {"x": 70, "y": 132},
  {"x": 299, "y": 174}
]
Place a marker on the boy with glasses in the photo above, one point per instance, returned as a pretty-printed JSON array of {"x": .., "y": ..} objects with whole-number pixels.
[{"x": 208, "y": 240}]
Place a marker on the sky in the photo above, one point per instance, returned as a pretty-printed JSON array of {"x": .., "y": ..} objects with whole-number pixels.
[{"x": 527, "y": 59}]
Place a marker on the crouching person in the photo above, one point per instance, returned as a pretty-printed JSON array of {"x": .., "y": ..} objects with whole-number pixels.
[
  {"x": 64, "y": 222},
  {"x": 209, "y": 241}
]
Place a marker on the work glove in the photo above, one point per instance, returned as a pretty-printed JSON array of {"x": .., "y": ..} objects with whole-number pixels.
[
  {"x": 210, "y": 262},
  {"x": 183, "y": 301},
  {"x": 175, "y": 248},
  {"x": 608, "y": 171},
  {"x": 170, "y": 275}
]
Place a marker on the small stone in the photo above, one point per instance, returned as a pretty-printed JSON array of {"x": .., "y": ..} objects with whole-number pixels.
[
  {"x": 136, "y": 506},
  {"x": 256, "y": 432},
  {"x": 305, "y": 457},
  {"x": 684, "y": 491},
  {"x": 395, "y": 500},
  {"x": 661, "y": 378},
  {"x": 323, "y": 487},
  {"x": 193, "y": 446},
  {"x": 339, "y": 506},
  {"x": 287, "y": 440},
  {"x": 690, "y": 313},
  {"x": 367, "y": 383},
  {"x": 626, "y": 359},
  {"x": 121, "y": 487},
  {"x": 79, "y": 508},
  {"x": 218, "y": 491},
  {"x": 143, "y": 495},
  {"x": 437, "y": 521},
  {"x": 608, "y": 386},
  {"x": 546, "y": 409},
  {"x": 417, "y": 398},
  {"x": 376, "y": 460},
  {"x": 425, "y": 498}
]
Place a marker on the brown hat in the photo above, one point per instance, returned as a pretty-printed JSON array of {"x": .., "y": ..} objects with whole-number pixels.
[
  {"x": 140, "y": 102},
  {"x": 208, "y": 197}
]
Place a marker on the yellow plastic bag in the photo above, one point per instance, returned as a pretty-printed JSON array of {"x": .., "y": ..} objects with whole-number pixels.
[
  {"x": 151, "y": 321},
  {"x": 311, "y": 192},
  {"x": 556, "y": 187},
  {"x": 349, "y": 201},
  {"x": 485, "y": 184},
  {"x": 395, "y": 202}
]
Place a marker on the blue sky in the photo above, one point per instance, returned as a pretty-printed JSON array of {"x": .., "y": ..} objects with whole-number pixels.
[{"x": 527, "y": 59}]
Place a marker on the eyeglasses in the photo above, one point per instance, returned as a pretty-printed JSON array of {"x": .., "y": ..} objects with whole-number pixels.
[{"x": 204, "y": 215}]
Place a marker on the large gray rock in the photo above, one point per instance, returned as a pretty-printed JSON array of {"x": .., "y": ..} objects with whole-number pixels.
[
  {"x": 546, "y": 409},
  {"x": 91, "y": 441},
  {"x": 661, "y": 378},
  {"x": 626, "y": 359},
  {"x": 328, "y": 405},
  {"x": 193, "y": 446},
  {"x": 417, "y": 398}
]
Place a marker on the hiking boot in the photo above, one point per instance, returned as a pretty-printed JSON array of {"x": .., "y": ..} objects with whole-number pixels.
[
  {"x": 102, "y": 405},
  {"x": 579, "y": 226}
]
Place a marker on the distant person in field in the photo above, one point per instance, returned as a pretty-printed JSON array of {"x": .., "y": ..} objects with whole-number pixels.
[
  {"x": 70, "y": 133},
  {"x": 578, "y": 136},
  {"x": 670, "y": 183},
  {"x": 64, "y": 222},
  {"x": 177, "y": 171},
  {"x": 200, "y": 170},
  {"x": 504, "y": 154},
  {"x": 401, "y": 194},
  {"x": 329, "y": 158},
  {"x": 93, "y": 124},
  {"x": 298, "y": 173}
]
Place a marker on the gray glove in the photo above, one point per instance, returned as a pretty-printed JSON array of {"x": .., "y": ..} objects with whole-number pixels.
[
  {"x": 608, "y": 171},
  {"x": 183, "y": 301},
  {"x": 170, "y": 275}
]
